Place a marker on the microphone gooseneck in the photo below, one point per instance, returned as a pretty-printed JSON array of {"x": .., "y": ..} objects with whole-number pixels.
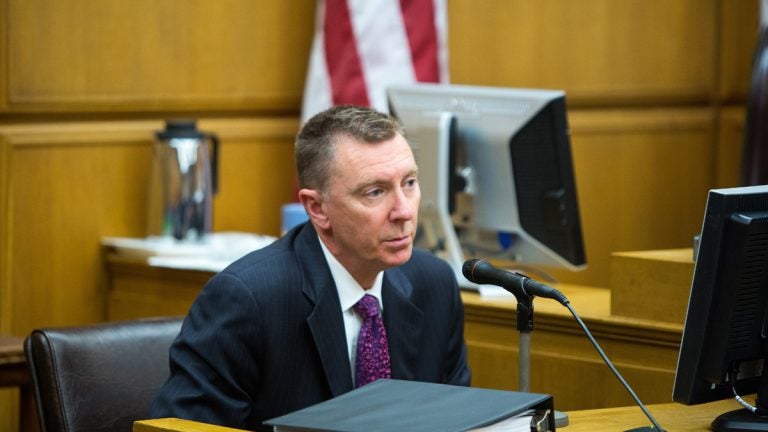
[
  {"x": 614, "y": 370},
  {"x": 481, "y": 272}
]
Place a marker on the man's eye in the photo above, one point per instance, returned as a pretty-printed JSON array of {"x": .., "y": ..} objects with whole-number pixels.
[
  {"x": 374, "y": 193},
  {"x": 411, "y": 182}
]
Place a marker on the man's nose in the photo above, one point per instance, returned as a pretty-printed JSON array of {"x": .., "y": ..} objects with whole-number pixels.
[{"x": 405, "y": 205}]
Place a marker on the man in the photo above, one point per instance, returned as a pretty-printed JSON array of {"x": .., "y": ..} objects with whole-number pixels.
[{"x": 277, "y": 330}]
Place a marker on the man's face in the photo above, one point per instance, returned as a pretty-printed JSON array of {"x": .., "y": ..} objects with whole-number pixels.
[{"x": 372, "y": 204}]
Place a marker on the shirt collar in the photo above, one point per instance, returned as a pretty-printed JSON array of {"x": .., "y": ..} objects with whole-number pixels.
[{"x": 350, "y": 292}]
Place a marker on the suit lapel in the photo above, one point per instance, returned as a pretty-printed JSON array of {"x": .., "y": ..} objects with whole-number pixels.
[
  {"x": 325, "y": 322},
  {"x": 403, "y": 321}
]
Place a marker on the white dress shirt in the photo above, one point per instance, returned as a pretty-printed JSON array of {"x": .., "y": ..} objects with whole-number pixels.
[{"x": 350, "y": 292}]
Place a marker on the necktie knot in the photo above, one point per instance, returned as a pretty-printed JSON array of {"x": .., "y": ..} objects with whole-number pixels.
[{"x": 368, "y": 306}]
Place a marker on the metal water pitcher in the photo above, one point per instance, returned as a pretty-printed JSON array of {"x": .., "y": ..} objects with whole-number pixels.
[{"x": 183, "y": 181}]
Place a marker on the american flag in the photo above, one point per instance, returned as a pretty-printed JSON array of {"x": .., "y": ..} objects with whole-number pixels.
[{"x": 361, "y": 47}]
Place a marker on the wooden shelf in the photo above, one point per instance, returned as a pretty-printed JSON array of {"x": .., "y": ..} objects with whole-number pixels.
[{"x": 652, "y": 285}]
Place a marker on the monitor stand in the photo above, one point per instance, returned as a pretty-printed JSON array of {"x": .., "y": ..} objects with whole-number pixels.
[
  {"x": 745, "y": 419},
  {"x": 525, "y": 327},
  {"x": 739, "y": 420}
]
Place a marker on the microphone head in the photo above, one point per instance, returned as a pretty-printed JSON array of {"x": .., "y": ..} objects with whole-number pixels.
[{"x": 468, "y": 269}]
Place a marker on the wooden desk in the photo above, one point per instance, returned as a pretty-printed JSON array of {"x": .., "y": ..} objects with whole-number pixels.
[
  {"x": 175, "y": 424},
  {"x": 672, "y": 417},
  {"x": 13, "y": 364},
  {"x": 563, "y": 362},
  {"x": 15, "y": 373}
]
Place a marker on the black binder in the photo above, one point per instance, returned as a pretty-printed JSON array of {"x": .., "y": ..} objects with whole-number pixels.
[{"x": 395, "y": 405}]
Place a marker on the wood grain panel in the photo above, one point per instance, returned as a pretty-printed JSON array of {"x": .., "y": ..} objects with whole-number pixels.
[
  {"x": 640, "y": 278},
  {"x": 176, "y": 424},
  {"x": 671, "y": 417},
  {"x": 97, "y": 55},
  {"x": 567, "y": 365},
  {"x": 599, "y": 51},
  {"x": 730, "y": 145},
  {"x": 563, "y": 361},
  {"x": 739, "y": 21},
  {"x": 9, "y": 398},
  {"x": 3, "y": 56},
  {"x": 5, "y": 243},
  {"x": 72, "y": 184},
  {"x": 137, "y": 290},
  {"x": 642, "y": 178},
  {"x": 65, "y": 198},
  {"x": 9, "y": 409}
]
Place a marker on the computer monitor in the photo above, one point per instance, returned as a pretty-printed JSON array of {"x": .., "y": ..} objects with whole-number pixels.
[
  {"x": 723, "y": 349},
  {"x": 496, "y": 174}
]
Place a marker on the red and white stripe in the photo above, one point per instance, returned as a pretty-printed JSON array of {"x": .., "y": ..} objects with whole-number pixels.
[{"x": 361, "y": 47}]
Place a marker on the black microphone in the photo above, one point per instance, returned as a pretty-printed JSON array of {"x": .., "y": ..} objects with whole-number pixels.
[{"x": 481, "y": 272}]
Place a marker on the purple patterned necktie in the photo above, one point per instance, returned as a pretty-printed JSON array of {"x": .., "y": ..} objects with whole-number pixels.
[{"x": 372, "y": 361}]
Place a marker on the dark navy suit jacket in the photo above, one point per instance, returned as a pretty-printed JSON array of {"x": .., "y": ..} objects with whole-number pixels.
[{"x": 266, "y": 336}]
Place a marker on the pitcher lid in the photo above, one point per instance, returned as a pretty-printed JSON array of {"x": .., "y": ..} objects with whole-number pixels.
[{"x": 180, "y": 128}]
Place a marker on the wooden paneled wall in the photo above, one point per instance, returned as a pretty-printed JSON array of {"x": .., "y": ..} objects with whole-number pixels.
[
  {"x": 606, "y": 53},
  {"x": 655, "y": 90},
  {"x": 72, "y": 184},
  {"x": 115, "y": 56}
]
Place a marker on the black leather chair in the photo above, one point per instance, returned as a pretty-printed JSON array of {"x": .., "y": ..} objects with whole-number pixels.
[{"x": 99, "y": 377}]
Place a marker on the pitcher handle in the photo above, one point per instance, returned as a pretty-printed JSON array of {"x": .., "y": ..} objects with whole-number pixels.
[{"x": 214, "y": 162}]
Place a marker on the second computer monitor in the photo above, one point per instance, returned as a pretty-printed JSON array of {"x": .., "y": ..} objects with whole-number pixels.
[{"x": 496, "y": 173}]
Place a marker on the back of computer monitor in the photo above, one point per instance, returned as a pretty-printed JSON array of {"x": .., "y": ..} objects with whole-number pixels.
[
  {"x": 723, "y": 349},
  {"x": 496, "y": 173}
]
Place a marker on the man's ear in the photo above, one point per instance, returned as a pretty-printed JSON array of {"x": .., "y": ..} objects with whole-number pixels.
[{"x": 314, "y": 205}]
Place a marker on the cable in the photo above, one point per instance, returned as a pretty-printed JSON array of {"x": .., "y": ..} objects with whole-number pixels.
[
  {"x": 613, "y": 369},
  {"x": 742, "y": 402}
]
